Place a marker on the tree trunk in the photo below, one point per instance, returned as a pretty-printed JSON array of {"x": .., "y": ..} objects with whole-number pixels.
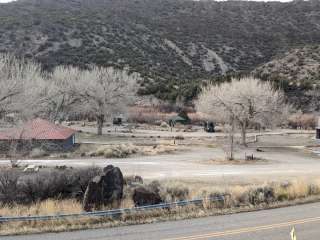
[
  {"x": 100, "y": 121},
  {"x": 231, "y": 157},
  {"x": 244, "y": 134}
]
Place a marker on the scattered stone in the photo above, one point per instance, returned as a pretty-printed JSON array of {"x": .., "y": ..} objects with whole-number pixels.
[
  {"x": 106, "y": 189},
  {"x": 144, "y": 197}
]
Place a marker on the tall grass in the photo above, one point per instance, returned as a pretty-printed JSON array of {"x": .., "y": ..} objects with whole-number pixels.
[{"x": 240, "y": 197}]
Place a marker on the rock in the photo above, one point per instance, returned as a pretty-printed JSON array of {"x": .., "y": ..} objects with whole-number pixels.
[
  {"x": 138, "y": 179},
  {"x": 106, "y": 189},
  {"x": 144, "y": 197}
]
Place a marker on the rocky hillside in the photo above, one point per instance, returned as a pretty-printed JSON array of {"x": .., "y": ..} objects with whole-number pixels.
[
  {"x": 299, "y": 66},
  {"x": 172, "y": 43},
  {"x": 296, "y": 71}
]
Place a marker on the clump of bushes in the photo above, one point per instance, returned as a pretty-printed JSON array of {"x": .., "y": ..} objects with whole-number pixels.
[
  {"x": 302, "y": 121},
  {"x": 259, "y": 195},
  {"x": 176, "y": 193},
  {"x": 115, "y": 151},
  {"x": 144, "y": 115},
  {"x": 20, "y": 187},
  {"x": 38, "y": 153}
]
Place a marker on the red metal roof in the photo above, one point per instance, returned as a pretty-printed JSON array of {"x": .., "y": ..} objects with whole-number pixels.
[{"x": 38, "y": 129}]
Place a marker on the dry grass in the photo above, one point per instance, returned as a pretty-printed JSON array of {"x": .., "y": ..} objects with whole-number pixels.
[
  {"x": 242, "y": 198},
  {"x": 127, "y": 150},
  {"x": 148, "y": 115},
  {"x": 47, "y": 207},
  {"x": 154, "y": 115}
]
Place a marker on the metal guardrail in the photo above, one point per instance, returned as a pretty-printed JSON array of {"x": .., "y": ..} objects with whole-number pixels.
[{"x": 115, "y": 212}]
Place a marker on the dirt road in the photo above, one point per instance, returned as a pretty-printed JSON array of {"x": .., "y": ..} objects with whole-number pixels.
[{"x": 199, "y": 163}]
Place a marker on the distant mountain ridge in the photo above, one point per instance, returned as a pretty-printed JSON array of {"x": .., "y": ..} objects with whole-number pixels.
[{"x": 174, "y": 44}]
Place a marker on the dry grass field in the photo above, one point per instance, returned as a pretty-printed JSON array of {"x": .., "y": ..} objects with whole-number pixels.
[{"x": 240, "y": 198}]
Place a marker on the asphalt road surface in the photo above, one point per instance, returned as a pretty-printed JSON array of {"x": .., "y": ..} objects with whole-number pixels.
[{"x": 273, "y": 224}]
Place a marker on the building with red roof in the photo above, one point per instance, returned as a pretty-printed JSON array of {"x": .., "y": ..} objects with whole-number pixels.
[{"x": 39, "y": 133}]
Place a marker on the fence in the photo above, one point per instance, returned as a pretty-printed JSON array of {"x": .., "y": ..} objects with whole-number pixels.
[{"x": 115, "y": 212}]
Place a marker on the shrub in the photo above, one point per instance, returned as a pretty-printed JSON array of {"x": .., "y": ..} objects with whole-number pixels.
[
  {"x": 261, "y": 195},
  {"x": 302, "y": 121},
  {"x": 38, "y": 153},
  {"x": 177, "y": 193},
  {"x": 20, "y": 187},
  {"x": 9, "y": 185},
  {"x": 148, "y": 115},
  {"x": 115, "y": 151}
]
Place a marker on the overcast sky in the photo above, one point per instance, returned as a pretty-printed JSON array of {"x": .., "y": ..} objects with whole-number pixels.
[{"x": 3, "y": 1}]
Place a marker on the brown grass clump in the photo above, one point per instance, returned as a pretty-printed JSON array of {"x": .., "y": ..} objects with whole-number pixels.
[
  {"x": 148, "y": 115},
  {"x": 127, "y": 150},
  {"x": 303, "y": 121},
  {"x": 47, "y": 207}
]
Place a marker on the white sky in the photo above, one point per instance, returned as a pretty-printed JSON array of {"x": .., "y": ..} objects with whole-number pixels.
[{"x": 4, "y": 1}]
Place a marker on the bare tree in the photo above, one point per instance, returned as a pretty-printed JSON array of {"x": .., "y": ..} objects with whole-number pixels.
[
  {"x": 102, "y": 92},
  {"x": 245, "y": 101},
  {"x": 59, "y": 94},
  {"x": 20, "y": 86},
  {"x": 21, "y": 96}
]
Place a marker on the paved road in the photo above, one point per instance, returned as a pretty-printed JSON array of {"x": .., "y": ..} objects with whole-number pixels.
[{"x": 263, "y": 225}]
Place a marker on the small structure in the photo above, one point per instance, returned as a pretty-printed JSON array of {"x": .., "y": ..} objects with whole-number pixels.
[
  {"x": 117, "y": 121},
  {"x": 209, "y": 127},
  {"x": 318, "y": 133},
  {"x": 318, "y": 130},
  {"x": 38, "y": 133}
]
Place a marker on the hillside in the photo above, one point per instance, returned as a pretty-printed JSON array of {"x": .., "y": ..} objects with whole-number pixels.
[
  {"x": 296, "y": 71},
  {"x": 172, "y": 43},
  {"x": 298, "y": 66}
]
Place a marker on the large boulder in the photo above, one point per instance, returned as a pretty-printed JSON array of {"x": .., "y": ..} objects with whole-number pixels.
[
  {"x": 143, "y": 197},
  {"x": 106, "y": 189}
]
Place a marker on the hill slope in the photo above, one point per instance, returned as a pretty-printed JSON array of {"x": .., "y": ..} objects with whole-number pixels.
[
  {"x": 298, "y": 66},
  {"x": 297, "y": 72},
  {"x": 170, "y": 42}
]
